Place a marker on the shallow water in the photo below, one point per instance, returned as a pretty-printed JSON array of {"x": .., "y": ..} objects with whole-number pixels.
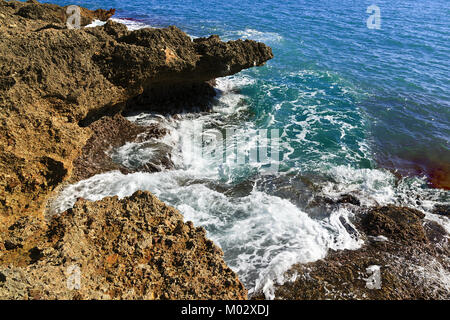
[{"x": 360, "y": 111}]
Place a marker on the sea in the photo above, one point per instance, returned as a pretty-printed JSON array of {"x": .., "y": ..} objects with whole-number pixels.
[{"x": 355, "y": 102}]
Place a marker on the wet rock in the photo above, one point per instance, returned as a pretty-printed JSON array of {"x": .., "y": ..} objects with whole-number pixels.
[
  {"x": 11, "y": 245},
  {"x": 6, "y": 83},
  {"x": 61, "y": 95},
  {"x": 56, "y": 14},
  {"x": 346, "y": 198}
]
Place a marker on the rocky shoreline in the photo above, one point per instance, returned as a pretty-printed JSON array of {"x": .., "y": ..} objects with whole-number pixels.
[
  {"x": 62, "y": 93},
  {"x": 63, "y": 97}
]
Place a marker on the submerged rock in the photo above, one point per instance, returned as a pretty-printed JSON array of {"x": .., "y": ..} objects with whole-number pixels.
[
  {"x": 109, "y": 133},
  {"x": 134, "y": 248}
]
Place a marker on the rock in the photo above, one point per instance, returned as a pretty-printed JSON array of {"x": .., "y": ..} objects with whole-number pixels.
[
  {"x": 346, "y": 198},
  {"x": 88, "y": 16},
  {"x": 436, "y": 234},
  {"x": 48, "y": 13},
  {"x": 134, "y": 248}
]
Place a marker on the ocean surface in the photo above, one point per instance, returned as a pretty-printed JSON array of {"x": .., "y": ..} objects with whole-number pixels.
[{"x": 359, "y": 111}]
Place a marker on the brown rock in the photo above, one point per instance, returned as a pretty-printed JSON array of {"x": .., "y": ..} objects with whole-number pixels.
[
  {"x": 54, "y": 82},
  {"x": 133, "y": 248},
  {"x": 403, "y": 224}
]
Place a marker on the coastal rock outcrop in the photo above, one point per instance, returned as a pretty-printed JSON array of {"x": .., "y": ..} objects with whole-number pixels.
[{"x": 134, "y": 248}]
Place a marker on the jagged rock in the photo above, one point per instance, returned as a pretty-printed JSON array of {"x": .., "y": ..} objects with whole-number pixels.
[
  {"x": 166, "y": 62},
  {"x": 135, "y": 248}
]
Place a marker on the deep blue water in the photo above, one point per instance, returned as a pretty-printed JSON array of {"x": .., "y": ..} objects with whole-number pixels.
[{"x": 362, "y": 111}]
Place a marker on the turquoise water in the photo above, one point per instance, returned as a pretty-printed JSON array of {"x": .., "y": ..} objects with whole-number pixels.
[{"x": 362, "y": 111}]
